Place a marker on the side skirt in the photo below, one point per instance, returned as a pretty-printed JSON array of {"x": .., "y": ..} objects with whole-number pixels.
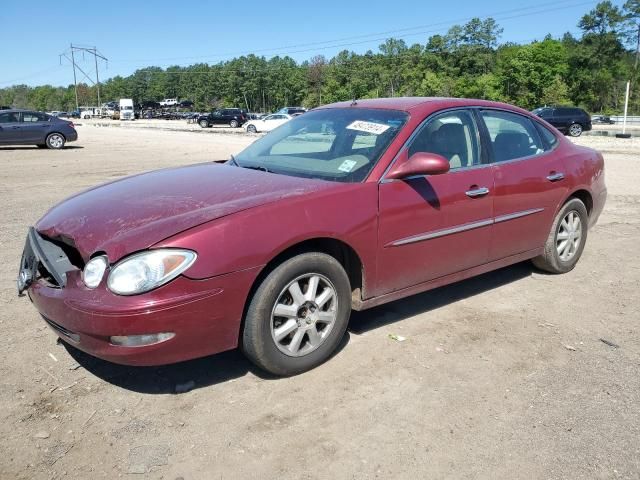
[{"x": 359, "y": 304}]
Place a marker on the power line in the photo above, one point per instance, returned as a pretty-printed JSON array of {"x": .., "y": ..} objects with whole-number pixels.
[
  {"x": 336, "y": 42},
  {"x": 267, "y": 68}
]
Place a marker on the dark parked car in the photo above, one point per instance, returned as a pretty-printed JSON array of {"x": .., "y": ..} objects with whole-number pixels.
[
  {"x": 234, "y": 117},
  {"x": 24, "y": 127},
  {"x": 272, "y": 251},
  {"x": 569, "y": 120}
]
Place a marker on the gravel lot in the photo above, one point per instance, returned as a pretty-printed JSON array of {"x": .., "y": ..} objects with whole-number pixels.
[{"x": 502, "y": 376}]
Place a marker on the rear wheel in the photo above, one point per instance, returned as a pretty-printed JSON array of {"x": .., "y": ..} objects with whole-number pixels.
[
  {"x": 575, "y": 130},
  {"x": 203, "y": 123},
  {"x": 55, "y": 141},
  {"x": 252, "y": 129},
  {"x": 234, "y": 124},
  {"x": 566, "y": 240},
  {"x": 298, "y": 315}
]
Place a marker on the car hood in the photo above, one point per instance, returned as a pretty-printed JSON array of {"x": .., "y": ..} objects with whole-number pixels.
[{"x": 137, "y": 212}]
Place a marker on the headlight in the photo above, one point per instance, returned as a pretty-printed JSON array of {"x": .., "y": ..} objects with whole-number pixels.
[
  {"x": 93, "y": 271},
  {"x": 145, "y": 271}
]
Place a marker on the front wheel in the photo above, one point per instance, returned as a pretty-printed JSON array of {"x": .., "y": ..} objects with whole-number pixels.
[
  {"x": 203, "y": 123},
  {"x": 55, "y": 141},
  {"x": 298, "y": 315},
  {"x": 566, "y": 240},
  {"x": 575, "y": 130},
  {"x": 252, "y": 129}
]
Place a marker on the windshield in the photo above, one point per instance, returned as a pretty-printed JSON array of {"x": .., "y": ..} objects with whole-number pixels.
[{"x": 331, "y": 144}]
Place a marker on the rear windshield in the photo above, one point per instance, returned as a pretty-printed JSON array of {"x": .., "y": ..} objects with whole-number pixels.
[{"x": 338, "y": 144}]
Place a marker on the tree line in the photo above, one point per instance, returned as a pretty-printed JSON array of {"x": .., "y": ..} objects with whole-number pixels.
[{"x": 589, "y": 70}]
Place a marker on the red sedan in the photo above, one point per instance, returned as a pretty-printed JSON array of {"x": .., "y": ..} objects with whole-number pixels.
[{"x": 346, "y": 207}]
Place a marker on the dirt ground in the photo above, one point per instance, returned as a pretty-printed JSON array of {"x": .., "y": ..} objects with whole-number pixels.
[{"x": 501, "y": 376}]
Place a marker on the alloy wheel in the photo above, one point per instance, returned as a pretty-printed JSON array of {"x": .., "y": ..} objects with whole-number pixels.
[
  {"x": 304, "y": 314},
  {"x": 569, "y": 236}
]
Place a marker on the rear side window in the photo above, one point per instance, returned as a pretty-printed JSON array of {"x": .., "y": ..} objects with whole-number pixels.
[
  {"x": 512, "y": 136},
  {"x": 548, "y": 138},
  {"x": 34, "y": 117}
]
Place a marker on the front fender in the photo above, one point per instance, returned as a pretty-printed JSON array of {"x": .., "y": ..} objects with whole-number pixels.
[{"x": 253, "y": 237}]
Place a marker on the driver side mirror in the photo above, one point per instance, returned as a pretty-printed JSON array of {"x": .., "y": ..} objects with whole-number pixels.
[{"x": 420, "y": 163}]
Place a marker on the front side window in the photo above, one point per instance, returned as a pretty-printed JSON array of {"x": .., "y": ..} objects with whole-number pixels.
[
  {"x": 452, "y": 135},
  {"x": 9, "y": 117},
  {"x": 512, "y": 136},
  {"x": 337, "y": 144}
]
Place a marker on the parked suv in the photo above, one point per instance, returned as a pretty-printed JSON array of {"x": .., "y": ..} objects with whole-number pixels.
[
  {"x": 24, "y": 127},
  {"x": 569, "y": 120},
  {"x": 234, "y": 117}
]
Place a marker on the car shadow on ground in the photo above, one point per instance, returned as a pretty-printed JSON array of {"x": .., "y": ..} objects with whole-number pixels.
[
  {"x": 176, "y": 378},
  {"x": 362, "y": 322},
  {"x": 33, "y": 147},
  {"x": 207, "y": 371}
]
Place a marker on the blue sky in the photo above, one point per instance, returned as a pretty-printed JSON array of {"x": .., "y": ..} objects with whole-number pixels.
[{"x": 134, "y": 34}]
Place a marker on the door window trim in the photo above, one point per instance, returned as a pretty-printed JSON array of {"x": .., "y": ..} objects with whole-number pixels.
[{"x": 405, "y": 146}]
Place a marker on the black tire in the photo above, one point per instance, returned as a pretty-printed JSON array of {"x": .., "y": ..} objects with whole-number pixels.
[
  {"x": 252, "y": 129},
  {"x": 550, "y": 260},
  {"x": 575, "y": 130},
  {"x": 55, "y": 141},
  {"x": 257, "y": 341},
  {"x": 203, "y": 123},
  {"x": 234, "y": 124}
]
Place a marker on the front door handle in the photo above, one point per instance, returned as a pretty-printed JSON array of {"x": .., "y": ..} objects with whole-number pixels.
[
  {"x": 555, "y": 176},
  {"x": 477, "y": 192}
]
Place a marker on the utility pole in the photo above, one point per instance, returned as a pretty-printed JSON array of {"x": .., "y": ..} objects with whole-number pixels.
[
  {"x": 93, "y": 51},
  {"x": 75, "y": 83}
]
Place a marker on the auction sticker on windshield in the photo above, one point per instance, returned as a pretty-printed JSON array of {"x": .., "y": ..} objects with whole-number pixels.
[
  {"x": 369, "y": 127},
  {"x": 347, "y": 166}
]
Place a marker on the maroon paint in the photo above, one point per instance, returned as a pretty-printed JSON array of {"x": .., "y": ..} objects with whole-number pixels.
[{"x": 238, "y": 220}]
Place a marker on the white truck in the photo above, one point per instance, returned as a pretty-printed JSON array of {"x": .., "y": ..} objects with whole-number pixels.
[{"x": 126, "y": 109}]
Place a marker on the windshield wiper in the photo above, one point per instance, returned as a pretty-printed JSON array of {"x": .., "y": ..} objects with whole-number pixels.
[
  {"x": 256, "y": 167},
  {"x": 232, "y": 161}
]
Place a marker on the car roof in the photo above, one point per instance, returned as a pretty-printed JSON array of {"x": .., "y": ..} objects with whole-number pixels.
[{"x": 412, "y": 104}]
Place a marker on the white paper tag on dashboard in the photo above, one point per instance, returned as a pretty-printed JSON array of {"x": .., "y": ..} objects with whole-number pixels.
[
  {"x": 369, "y": 127},
  {"x": 347, "y": 165}
]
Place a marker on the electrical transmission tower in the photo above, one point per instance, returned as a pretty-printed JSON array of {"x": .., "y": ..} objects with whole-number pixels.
[{"x": 73, "y": 50}]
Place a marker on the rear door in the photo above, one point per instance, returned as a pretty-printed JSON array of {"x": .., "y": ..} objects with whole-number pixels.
[
  {"x": 35, "y": 127},
  {"x": 10, "y": 128},
  {"x": 432, "y": 226},
  {"x": 529, "y": 181}
]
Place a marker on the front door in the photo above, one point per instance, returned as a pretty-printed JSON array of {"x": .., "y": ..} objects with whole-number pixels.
[
  {"x": 10, "y": 128},
  {"x": 529, "y": 182},
  {"x": 431, "y": 226}
]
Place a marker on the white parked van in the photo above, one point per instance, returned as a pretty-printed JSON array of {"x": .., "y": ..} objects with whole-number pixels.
[{"x": 126, "y": 109}]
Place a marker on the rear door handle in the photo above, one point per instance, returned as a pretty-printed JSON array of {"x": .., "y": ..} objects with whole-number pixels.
[
  {"x": 477, "y": 192},
  {"x": 555, "y": 177}
]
